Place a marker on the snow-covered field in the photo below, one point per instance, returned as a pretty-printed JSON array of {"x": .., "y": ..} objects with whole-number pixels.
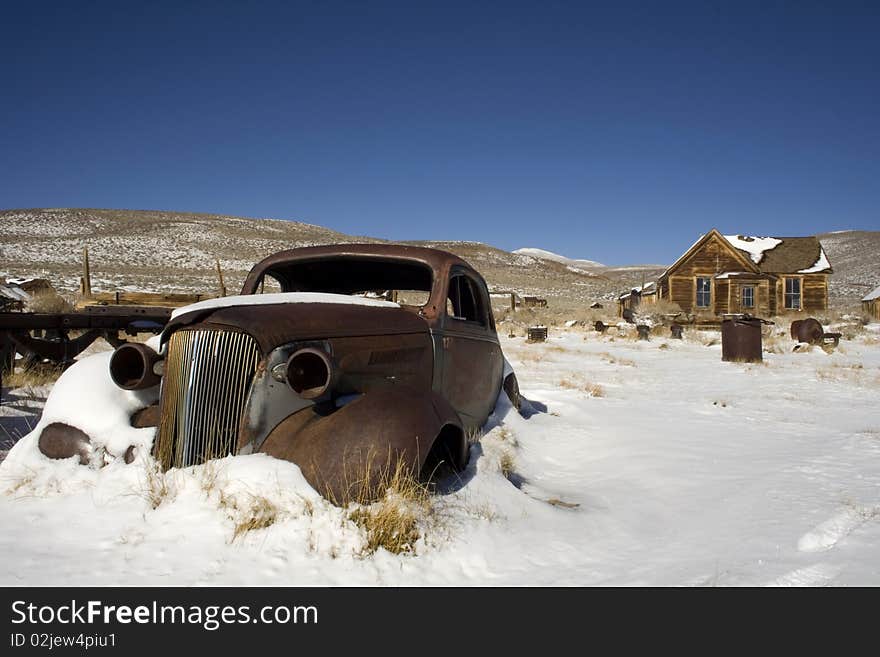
[{"x": 642, "y": 463}]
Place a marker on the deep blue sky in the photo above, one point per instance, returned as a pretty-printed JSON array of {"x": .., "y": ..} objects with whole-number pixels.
[{"x": 617, "y": 134}]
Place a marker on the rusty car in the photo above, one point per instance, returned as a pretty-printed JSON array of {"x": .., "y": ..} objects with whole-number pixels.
[{"x": 344, "y": 359}]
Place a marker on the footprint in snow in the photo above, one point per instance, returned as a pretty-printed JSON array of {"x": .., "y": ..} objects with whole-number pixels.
[{"x": 825, "y": 536}]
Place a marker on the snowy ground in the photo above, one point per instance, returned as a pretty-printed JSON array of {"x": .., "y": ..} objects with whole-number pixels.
[{"x": 643, "y": 464}]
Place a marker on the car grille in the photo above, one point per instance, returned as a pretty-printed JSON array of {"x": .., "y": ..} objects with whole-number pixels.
[{"x": 207, "y": 377}]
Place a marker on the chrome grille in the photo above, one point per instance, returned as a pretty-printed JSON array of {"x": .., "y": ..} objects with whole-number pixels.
[{"x": 207, "y": 377}]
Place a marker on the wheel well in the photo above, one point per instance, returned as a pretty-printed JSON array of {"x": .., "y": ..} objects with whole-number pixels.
[{"x": 448, "y": 454}]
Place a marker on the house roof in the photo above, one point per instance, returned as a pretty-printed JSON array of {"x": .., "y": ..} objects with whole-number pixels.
[
  {"x": 647, "y": 290},
  {"x": 873, "y": 294},
  {"x": 803, "y": 255},
  {"x": 770, "y": 255}
]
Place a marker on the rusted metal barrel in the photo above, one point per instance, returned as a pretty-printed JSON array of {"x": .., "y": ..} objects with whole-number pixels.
[
  {"x": 676, "y": 330},
  {"x": 807, "y": 330},
  {"x": 741, "y": 340},
  {"x": 644, "y": 331},
  {"x": 537, "y": 333}
]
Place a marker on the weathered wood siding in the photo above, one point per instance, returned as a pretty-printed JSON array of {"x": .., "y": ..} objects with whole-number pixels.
[
  {"x": 721, "y": 289},
  {"x": 814, "y": 293},
  {"x": 872, "y": 308},
  {"x": 681, "y": 291},
  {"x": 714, "y": 257},
  {"x": 762, "y": 297}
]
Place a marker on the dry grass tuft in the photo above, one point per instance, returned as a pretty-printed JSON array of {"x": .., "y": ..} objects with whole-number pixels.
[
  {"x": 257, "y": 512},
  {"x": 17, "y": 484},
  {"x": 48, "y": 301},
  {"x": 507, "y": 463},
  {"x": 562, "y": 504},
  {"x": 531, "y": 356},
  {"x": 616, "y": 360},
  {"x": 158, "y": 486},
  {"x": 595, "y": 390},
  {"x": 507, "y": 436},
  {"x": 34, "y": 376},
  {"x": 592, "y": 389},
  {"x": 394, "y": 521}
]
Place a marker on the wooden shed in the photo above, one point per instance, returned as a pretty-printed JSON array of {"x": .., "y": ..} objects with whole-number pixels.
[
  {"x": 871, "y": 303},
  {"x": 637, "y": 296},
  {"x": 762, "y": 276}
]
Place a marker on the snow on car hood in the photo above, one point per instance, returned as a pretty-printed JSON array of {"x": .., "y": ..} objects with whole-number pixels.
[{"x": 282, "y": 297}]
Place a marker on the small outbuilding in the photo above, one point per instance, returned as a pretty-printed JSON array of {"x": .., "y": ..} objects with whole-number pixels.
[
  {"x": 641, "y": 294},
  {"x": 871, "y": 303}
]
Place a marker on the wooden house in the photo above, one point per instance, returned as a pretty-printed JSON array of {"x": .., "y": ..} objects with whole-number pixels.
[
  {"x": 762, "y": 276},
  {"x": 637, "y": 296},
  {"x": 871, "y": 303}
]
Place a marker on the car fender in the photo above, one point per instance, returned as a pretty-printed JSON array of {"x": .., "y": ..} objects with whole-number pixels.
[{"x": 349, "y": 454}]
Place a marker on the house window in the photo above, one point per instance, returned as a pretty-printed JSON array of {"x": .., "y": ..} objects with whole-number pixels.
[
  {"x": 748, "y": 296},
  {"x": 704, "y": 292},
  {"x": 793, "y": 293}
]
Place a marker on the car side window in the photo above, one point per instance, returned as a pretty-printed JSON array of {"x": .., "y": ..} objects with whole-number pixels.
[
  {"x": 464, "y": 302},
  {"x": 269, "y": 285}
]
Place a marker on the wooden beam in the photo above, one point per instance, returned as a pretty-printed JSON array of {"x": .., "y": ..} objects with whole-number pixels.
[{"x": 87, "y": 274}]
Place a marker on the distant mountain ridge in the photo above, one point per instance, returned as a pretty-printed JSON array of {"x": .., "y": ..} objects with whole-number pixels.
[
  {"x": 176, "y": 251},
  {"x": 549, "y": 255}
]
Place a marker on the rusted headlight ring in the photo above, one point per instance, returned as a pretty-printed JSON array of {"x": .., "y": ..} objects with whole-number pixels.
[
  {"x": 135, "y": 366},
  {"x": 310, "y": 373}
]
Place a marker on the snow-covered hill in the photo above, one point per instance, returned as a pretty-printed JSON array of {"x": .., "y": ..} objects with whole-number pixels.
[{"x": 555, "y": 257}]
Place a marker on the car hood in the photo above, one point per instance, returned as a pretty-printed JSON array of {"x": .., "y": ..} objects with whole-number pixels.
[{"x": 274, "y": 319}]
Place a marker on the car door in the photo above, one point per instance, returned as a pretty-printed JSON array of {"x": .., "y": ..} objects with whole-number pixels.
[{"x": 472, "y": 360}]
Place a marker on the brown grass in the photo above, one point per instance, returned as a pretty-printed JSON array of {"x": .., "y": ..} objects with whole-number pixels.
[
  {"x": 395, "y": 521},
  {"x": 507, "y": 463},
  {"x": 616, "y": 360},
  {"x": 391, "y": 525},
  {"x": 48, "y": 301},
  {"x": 41, "y": 374},
  {"x": 562, "y": 504},
  {"x": 158, "y": 486},
  {"x": 592, "y": 389},
  {"x": 257, "y": 512},
  {"x": 507, "y": 436}
]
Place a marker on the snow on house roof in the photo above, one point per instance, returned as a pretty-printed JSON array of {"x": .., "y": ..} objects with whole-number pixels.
[
  {"x": 648, "y": 288},
  {"x": 754, "y": 246},
  {"x": 873, "y": 294},
  {"x": 821, "y": 264},
  {"x": 733, "y": 274},
  {"x": 783, "y": 255}
]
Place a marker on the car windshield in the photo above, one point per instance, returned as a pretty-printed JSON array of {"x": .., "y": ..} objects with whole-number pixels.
[{"x": 404, "y": 281}]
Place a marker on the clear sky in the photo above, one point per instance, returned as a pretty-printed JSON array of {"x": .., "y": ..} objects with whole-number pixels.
[{"x": 616, "y": 132}]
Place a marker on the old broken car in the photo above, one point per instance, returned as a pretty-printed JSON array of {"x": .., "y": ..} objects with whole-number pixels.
[{"x": 345, "y": 360}]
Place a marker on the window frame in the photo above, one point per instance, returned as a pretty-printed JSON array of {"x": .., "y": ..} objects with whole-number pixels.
[
  {"x": 742, "y": 295},
  {"x": 480, "y": 307},
  {"x": 799, "y": 295},
  {"x": 707, "y": 292}
]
